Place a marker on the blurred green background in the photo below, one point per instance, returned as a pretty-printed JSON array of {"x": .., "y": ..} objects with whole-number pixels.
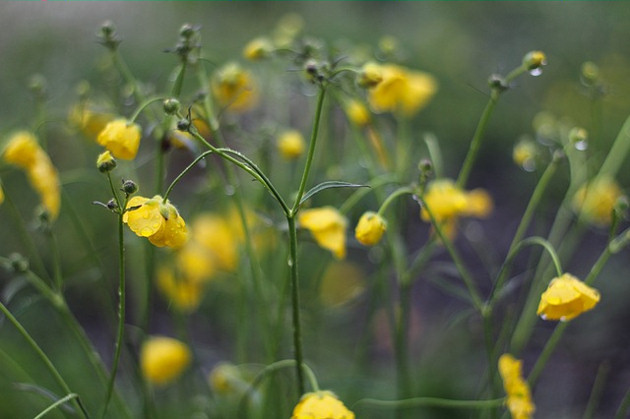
[{"x": 461, "y": 43}]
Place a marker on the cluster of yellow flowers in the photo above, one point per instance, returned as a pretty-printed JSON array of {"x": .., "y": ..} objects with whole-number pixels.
[
  {"x": 566, "y": 298},
  {"x": 519, "y": 399},
  {"x": 24, "y": 151}
]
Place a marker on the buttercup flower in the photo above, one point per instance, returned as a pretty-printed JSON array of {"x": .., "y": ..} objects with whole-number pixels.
[
  {"x": 566, "y": 298},
  {"x": 183, "y": 293},
  {"x": 519, "y": 399},
  {"x": 158, "y": 221},
  {"x": 534, "y": 60},
  {"x": 371, "y": 74},
  {"x": 163, "y": 359},
  {"x": 402, "y": 91},
  {"x": 257, "y": 49},
  {"x": 328, "y": 227},
  {"x": 216, "y": 236},
  {"x": 357, "y": 113},
  {"x": 234, "y": 88},
  {"x": 448, "y": 202},
  {"x": 321, "y": 405},
  {"x": 121, "y": 137},
  {"x": 291, "y": 144},
  {"x": 596, "y": 201},
  {"x": 88, "y": 119},
  {"x": 105, "y": 162},
  {"x": 225, "y": 378},
  {"x": 24, "y": 152},
  {"x": 370, "y": 228},
  {"x": 524, "y": 154}
]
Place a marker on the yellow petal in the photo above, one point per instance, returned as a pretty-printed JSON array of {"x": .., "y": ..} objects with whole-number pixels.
[{"x": 146, "y": 220}]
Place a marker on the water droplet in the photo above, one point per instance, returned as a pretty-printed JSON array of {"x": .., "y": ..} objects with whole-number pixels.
[
  {"x": 529, "y": 165},
  {"x": 581, "y": 145},
  {"x": 290, "y": 262},
  {"x": 229, "y": 190},
  {"x": 536, "y": 72},
  {"x": 563, "y": 318}
]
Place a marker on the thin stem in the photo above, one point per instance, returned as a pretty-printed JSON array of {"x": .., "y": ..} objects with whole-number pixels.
[
  {"x": 405, "y": 190},
  {"x": 184, "y": 172},
  {"x": 42, "y": 355},
  {"x": 311, "y": 150},
  {"x": 432, "y": 402},
  {"x": 179, "y": 81},
  {"x": 618, "y": 152},
  {"x": 295, "y": 300},
  {"x": 143, "y": 105},
  {"x": 550, "y": 346},
  {"x": 596, "y": 391},
  {"x": 56, "y": 404},
  {"x": 623, "y": 406}
]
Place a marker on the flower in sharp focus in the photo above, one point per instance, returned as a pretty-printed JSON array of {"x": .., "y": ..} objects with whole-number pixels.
[
  {"x": 121, "y": 137},
  {"x": 328, "y": 227},
  {"x": 596, "y": 200},
  {"x": 402, "y": 91},
  {"x": 370, "y": 228},
  {"x": 234, "y": 88},
  {"x": 156, "y": 220},
  {"x": 291, "y": 144},
  {"x": 566, "y": 298},
  {"x": 163, "y": 359},
  {"x": 519, "y": 399},
  {"x": 321, "y": 405}
]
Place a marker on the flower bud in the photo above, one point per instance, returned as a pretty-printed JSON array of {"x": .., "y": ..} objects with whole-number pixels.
[
  {"x": 18, "y": 263},
  {"x": 533, "y": 60},
  {"x": 187, "y": 30},
  {"x": 38, "y": 85},
  {"x": 425, "y": 166},
  {"x": 183, "y": 124},
  {"x": 370, "y": 228},
  {"x": 111, "y": 204},
  {"x": 171, "y": 106},
  {"x": 370, "y": 75},
  {"x": 590, "y": 73},
  {"x": 496, "y": 81},
  {"x": 105, "y": 162},
  {"x": 129, "y": 187},
  {"x": 108, "y": 35},
  {"x": 578, "y": 134}
]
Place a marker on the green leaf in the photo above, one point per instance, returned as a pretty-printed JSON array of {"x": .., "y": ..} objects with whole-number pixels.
[{"x": 329, "y": 185}]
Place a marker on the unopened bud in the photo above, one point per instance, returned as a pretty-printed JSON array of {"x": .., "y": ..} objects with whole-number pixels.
[
  {"x": 590, "y": 73},
  {"x": 18, "y": 263},
  {"x": 187, "y": 30},
  {"x": 111, "y": 204},
  {"x": 171, "y": 106},
  {"x": 105, "y": 162},
  {"x": 496, "y": 81},
  {"x": 129, "y": 187},
  {"x": 578, "y": 136},
  {"x": 534, "y": 60},
  {"x": 371, "y": 74},
  {"x": 183, "y": 124}
]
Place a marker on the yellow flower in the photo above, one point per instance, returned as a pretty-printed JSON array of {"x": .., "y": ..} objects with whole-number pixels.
[
  {"x": 184, "y": 293},
  {"x": 24, "y": 152},
  {"x": 1, "y": 194},
  {"x": 291, "y": 144},
  {"x": 195, "y": 262},
  {"x": 402, "y": 91},
  {"x": 321, "y": 405},
  {"x": 234, "y": 88},
  {"x": 87, "y": 118},
  {"x": 225, "y": 378},
  {"x": 370, "y": 228},
  {"x": 121, "y": 137},
  {"x": 357, "y": 113},
  {"x": 328, "y": 227},
  {"x": 566, "y": 298},
  {"x": 448, "y": 202},
  {"x": 524, "y": 154},
  {"x": 105, "y": 162},
  {"x": 519, "y": 399},
  {"x": 257, "y": 49},
  {"x": 215, "y": 234},
  {"x": 596, "y": 201},
  {"x": 163, "y": 359},
  {"x": 371, "y": 75},
  {"x": 534, "y": 60},
  {"x": 158, "y": 221}
]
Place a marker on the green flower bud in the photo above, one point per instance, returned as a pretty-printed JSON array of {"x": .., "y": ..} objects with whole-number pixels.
[
  {"x": 171, "y": 106},
  {"x": 129, "y": 187}
]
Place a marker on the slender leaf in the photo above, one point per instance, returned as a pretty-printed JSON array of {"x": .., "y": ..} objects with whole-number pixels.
[{"x": 329, "y": 185}]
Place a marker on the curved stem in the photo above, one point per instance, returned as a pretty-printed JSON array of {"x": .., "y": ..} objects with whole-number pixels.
[
  {"x": 405, "y": 190},
  {"x": 143, "y": 105},
  {"x": 185, "y": 171},
  {"x": 432, "y": 401}
]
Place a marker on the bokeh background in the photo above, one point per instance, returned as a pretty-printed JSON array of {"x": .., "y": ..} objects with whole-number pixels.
[{"x": 461, "y": 43}]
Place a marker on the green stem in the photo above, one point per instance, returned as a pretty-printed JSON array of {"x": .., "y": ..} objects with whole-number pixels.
[
  {"x": 143, "y": 105},
  {"x": 295, "y": 300},
  {"x": 432, "y": 402},
  {"x": 184, "y": 172},
  {"x": 623, "y": 407},
  {"x": 596, "y": 391},
  {"x": 618, "y": 152},
  {"x": 42, "y": 356},
  {"x": 550, "y": 346},
  {"x": 402, "y": 356},
  {"x": 56, "y": 404},
  {"x": 179, "y": 81},
  {"x": 311, "y": 150},
  {"x": 405, "y": 190}
]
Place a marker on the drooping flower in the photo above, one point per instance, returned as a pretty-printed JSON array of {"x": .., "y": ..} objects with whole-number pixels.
[
  {"x": 105, "y": 162},
  {"x": 291, "y": 144},
  {"x": 524, "y": 154},
  {"x": 156, "y": 220},
  {"x": 163, "y": 359},
  {"x": 185, "y": 294},
  {"x": 121, "y": 137},
  {"x": 519, "y": 399},
  {"x": 566, "y": 298},
  {"x": 357, "y": 113},
  {"x": 370, "y": 228},
  {"x": 321, "y": 405},
  {"x": 215, "y": 235},
  {"x": 24, "y": 151},
  {"x": 596, "y": 200},
  {"x": 89, "y": 119},
  {"x": 328, "y": 227},
  {"x": 402, "y": 91},
  {"x": 234, "y": 88},
  {"x": 447, "y": 202}
]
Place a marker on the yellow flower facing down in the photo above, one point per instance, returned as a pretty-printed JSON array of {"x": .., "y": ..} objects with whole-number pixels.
[
  {"x": 519, "y": 399},
  {"x": 402, "y": 91},
  {"x": 321, "y": 405},
  {"x": 357, "y": 113},
  {"x": 234, "y": 88},
  {"x": 596, "y": 200},
  {"x": 163, "y": 359},
  {"x": 524, "y": 154},
  {"x": 257, "y": 49},
  {"x": 328, "y": 227},
  {"x": 156, "y": 220},
  {"x": 24, "y": 151},
  {"x": 88, "y": 119},
  {"x": 121, "y": 137},
  {"x": 370, "y": 228},
  {"x": 291, "y": 144},
  {"x": 566, "y": 298},
  {"x": 215, "y": 235},
  {"x": 183, "y": 293}
]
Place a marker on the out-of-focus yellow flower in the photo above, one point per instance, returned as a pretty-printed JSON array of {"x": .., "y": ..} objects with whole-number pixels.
[
  {"x": 195, "y": 262},
  {"x": 105, "y": 162},
  {"x": 121, "y": 137},
  {"x": 215, "y": 234},
  {"x": 225, "y": 378},
  {"x": 288, "y": 27},
  {"x": 163, "y": 359},
  {"x": 596, "y": 201},
  {"x": 402, "y": 91},
  {"x": 234, "y": 88},
  {"x": 1, "y": 194},
  {"x": 519, "y": 399},
  {"x": 448, "y": 202},
  {"x": 370, "y": 228},
  {"x": 321, "y": 405},
  {"x": 156, "y": 220},
  {"x": 534, "y": 59},
  {"x": 357, "y": 112},
  {"x": 182, "y": 292},
  {"x": 23, "y": 151},
  {"x": 257, "y": 49},
  {"x": 88, "y": 119},
  {"x": 566, "y": 298},
  {"x": 328, "y": 227},
  {"x": 291, "y": 144},
  {"x": 342, "y": 282},
  {"x": 524, "y": 154},
  {"x": 371, "y": 74}
]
